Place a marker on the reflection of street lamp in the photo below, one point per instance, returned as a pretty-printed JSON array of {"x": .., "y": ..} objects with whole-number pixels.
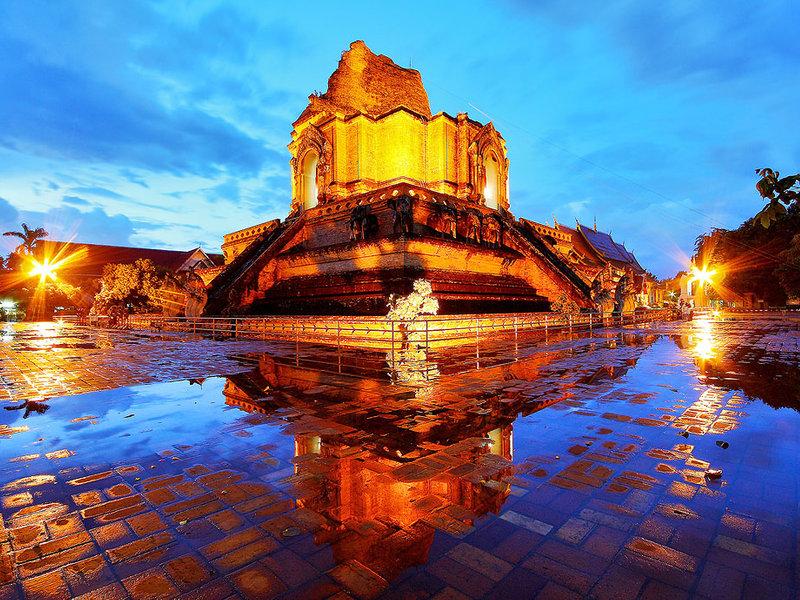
[{"x": 8, "y": 308}]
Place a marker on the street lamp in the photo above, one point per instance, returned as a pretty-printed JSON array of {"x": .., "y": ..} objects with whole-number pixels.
[
  {"x": 45, "y": 270},
  {"x": 702, "y": 275}
]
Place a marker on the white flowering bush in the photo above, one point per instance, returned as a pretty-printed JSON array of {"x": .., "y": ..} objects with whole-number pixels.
[
  {"x": 410, "y": 361},
  {"x": 419, "y": 302}
]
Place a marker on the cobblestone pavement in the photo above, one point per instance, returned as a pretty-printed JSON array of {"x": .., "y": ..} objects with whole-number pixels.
[
  {"x": 40, "y": 360},
  {"x": 570, "y": 467}
]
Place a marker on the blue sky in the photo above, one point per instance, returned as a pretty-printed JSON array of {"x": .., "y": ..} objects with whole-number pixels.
[{"x": 166, "y": 124}]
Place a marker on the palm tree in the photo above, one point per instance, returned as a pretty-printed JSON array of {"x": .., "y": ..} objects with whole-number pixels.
[{"x": 30, "y": 238}]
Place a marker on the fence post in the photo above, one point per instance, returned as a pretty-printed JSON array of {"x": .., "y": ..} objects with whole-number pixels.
[
  {"x": 426, "y": 334},
  {"x": 545, "y": 328},
  {"x": 338, "y": 334},
  {"x": 590, "y": 323},
  {"x": 515, "y": 329},
  {"x": 477, "y": 345},
  {"x": 392, "y": 323},
  {"x": 570, "y": 323}
]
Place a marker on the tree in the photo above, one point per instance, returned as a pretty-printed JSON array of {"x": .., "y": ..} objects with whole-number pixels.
[
  {"x": 30, "y": 238},
  {"x": 753, "y": 259},
  {"x": 788, "y": 272},
  {"x": 779, "y": 191},
  {"x": 133, "y": 286}
]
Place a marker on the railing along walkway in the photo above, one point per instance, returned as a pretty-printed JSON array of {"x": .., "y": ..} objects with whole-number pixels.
[{"x": 377, "y": 332}]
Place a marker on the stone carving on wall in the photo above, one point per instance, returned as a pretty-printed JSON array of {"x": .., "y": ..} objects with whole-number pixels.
[
  {"x": 363, "y": 224},
  {"x": 470, "y": 225},
  {"x": 443, "y": 220},
  {"x": 475, "y": 171},
  {"x": 491, "y": 232},
  {"x": 403, "y": 219}
]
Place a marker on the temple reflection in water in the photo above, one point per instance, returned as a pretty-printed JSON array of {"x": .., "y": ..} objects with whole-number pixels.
[{"x": 381, "y": 467}]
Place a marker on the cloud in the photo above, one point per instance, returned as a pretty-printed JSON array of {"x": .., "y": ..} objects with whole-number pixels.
[
  {"x": 62, "y": 113},
  {"x": 67, "y": 222},
  {"x": 9, "y": 216},
  {"x": 94, "y": 226},
  {"x": 98, "y": 191},
  {"x": 183, "y": 115},
  {"x": 75, "y": 201},
  {"x": 133, "y": 177}
]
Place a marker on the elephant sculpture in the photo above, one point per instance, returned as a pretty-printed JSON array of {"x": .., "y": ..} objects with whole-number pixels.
[
  {"x": 491, "y": 232},
  {"x": 470, "y": 222},
  {"x": 403, "y": 220},
  {"x": 362, "y": 222},
  {"x": 443, "y": 221}
]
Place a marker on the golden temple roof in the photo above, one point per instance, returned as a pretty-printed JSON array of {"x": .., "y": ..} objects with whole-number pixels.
[{"x": 370, "y": 84}]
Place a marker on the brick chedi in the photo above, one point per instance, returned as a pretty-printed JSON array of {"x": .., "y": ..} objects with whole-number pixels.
[{"x": 383, "y": 193}]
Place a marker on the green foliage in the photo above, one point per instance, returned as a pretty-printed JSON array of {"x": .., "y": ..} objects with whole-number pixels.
[
  {"x": 778, "y": 191},
  {"x": 133, "y": 285},
  {"x": 15, "y": 262}
]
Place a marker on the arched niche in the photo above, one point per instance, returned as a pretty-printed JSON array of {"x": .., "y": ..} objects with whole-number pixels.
[
  {"x": 489, "y": 168},
  {"x": 491, "y": 186},
  {"x": 309, "y": 191}
]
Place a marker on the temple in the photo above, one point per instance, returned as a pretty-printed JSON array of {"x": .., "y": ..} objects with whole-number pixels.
[{"x": 385, "y": 192}]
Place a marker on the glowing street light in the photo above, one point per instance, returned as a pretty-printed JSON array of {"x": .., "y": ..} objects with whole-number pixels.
[
  {"x": 45, "y": 270},
  {"x": 702, "y": 275}
]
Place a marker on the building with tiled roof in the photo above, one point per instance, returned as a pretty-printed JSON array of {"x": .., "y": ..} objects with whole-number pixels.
[
  {"x": 610, "y": 250},
  {"x": 94, "y": 257}
]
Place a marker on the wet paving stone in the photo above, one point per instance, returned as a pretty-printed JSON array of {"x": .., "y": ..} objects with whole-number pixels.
[{"x": 573, "y": 466}]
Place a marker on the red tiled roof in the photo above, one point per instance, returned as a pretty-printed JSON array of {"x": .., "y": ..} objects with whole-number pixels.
[{"x": 98, "y": 255}]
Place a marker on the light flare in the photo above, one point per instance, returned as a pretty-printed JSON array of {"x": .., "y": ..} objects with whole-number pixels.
[
  {"x": 703, "y": 275},
  {"x": 44, "y": 270}
]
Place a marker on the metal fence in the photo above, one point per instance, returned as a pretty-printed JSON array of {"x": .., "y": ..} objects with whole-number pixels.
[{"x": 377, "y": 332}]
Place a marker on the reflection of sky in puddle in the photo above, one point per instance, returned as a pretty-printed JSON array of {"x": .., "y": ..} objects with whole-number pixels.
[
  {"x": 164, "y": 414},
  {"x": 593, "y": 421},
  {"x": 178, "y": 413}
]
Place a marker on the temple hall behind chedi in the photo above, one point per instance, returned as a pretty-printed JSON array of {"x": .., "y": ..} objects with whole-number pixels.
[{"x": 384, "y": 192}]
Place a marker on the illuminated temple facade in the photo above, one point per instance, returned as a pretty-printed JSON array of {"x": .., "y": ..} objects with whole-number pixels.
[{"x": 385, "y": 192}]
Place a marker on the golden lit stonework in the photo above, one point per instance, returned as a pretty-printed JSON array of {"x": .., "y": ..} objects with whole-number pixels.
[
  {"x": 384, "y": 193},
  {"x": 373, "y": 128}
]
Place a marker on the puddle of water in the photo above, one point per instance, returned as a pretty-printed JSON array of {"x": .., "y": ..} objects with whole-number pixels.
[{"x": 567, "y": 453}]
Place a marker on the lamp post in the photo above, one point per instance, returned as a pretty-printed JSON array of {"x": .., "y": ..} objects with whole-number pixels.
[{"x": 701, "y": 277}]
